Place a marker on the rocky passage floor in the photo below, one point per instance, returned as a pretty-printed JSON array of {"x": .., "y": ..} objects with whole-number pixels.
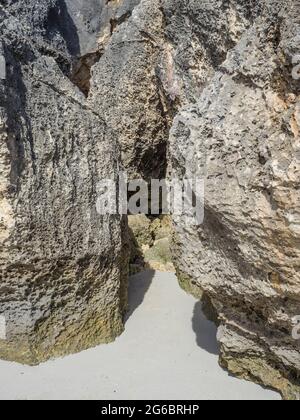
[{"x": 168, "y": 351}]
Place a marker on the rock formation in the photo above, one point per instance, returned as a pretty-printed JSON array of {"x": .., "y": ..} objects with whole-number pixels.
[
  {"x": 230, "y": 65},
  {"x": 63, "y": 266},
  {"x": 150, "y": 243},
  {"x": 184, "y": 88},
  {"x": 242, "y": 137}
]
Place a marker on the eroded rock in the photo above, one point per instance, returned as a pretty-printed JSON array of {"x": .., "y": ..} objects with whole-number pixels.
[
  {"x": 242, "y": 137},
  {"x": 63, "y": 266},
  {"x": 150, "y": 243},
  {"x": 232, "y": 66}
]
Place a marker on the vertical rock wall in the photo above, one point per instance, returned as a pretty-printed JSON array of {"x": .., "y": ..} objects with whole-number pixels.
[
  {"x": 229, "y": 64},
  {"x": 242, "y": 137},
  {"x": 196, "y": 89},
  {"x": 63, "y": 266}
]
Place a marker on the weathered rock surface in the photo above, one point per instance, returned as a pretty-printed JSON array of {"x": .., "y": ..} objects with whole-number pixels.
[
  {"x": 227, "y": 66},
  {"x": 63, "y": 266},
  {"x": 95, "y": 22},
  {"x": 157, "y": 58},
  {"x": 125, "y": 88},
  {"x": 150, "y": 243},
  {"x": 242, "y": 136}
]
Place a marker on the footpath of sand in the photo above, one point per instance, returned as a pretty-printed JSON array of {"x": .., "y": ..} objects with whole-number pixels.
[{"x": 168, "y": 351}]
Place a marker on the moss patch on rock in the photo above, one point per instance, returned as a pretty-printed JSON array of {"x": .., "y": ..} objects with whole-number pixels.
[
  {"x": 189, "y": 285},
  {"x": 150, "y": 242},
  {"x": 89, "y": 331},
  {"x": 257, "y": 370}
]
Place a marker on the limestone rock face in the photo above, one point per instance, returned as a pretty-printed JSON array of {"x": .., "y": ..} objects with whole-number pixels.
[
  {"x": 188, "y": 88},
  {"x": 124, "y": 87},
  {"x": 242, "y": 137},
  {"x": 63, "y": 267},
  {"x": 157, "y": 58},
  {"x": 95, "y": 22}
]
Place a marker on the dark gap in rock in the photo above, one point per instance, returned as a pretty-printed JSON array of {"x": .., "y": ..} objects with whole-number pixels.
[
  {"x": 150, "y": 239},
  {"x": 115, "y": 22},
  {"x": 151, "y": 233},
  {"x": 81, "y": 71}
]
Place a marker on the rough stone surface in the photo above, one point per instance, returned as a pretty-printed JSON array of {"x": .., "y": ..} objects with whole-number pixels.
[
  {"x": 125, "y": 88},
  {"x": 242, "y": 136},
  {"x": 95, "y": 22},
  {"x": 228, "y": 68},
  {"x": 63, "y": 266},
  {"x": 155, "y": 59}
]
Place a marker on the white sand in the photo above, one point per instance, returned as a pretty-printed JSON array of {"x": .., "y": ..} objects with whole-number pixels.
[{"x": 168, "y": 351}]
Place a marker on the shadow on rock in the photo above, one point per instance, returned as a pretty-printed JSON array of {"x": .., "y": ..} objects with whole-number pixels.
[{"x": 137, "y": 259}]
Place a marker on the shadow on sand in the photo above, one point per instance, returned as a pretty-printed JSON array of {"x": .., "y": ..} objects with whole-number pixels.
[
  {"x": 138, "y": 288},
  {"x": 205, "y": 330}
]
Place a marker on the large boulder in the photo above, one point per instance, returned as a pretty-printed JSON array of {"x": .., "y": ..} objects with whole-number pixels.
[{"x": 63, "y": 267}]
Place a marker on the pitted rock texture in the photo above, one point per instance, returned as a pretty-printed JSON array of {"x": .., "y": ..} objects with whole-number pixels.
[
  {"x": 242, "y": 137},
  {"x": 150, "y": 243},
  {"x": 226, "y": 67},
  {"x": 95, "y": 21},
  {"x": 63, "y": 266},
  {"x": 158, "y": 58},
  {"x": 124, "y": 87}
]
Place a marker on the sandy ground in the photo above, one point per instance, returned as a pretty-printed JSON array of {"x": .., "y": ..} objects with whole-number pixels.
[{"x": 168, "y": 351}]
